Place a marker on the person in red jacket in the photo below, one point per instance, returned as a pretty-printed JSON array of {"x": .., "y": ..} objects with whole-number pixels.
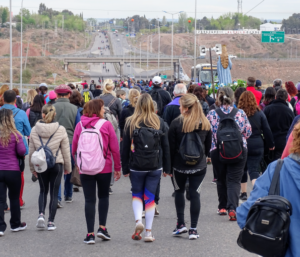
[{"x": 251, "y": 82}]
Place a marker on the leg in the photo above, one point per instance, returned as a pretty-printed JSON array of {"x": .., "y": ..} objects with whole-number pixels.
[
  {"x": 157, "y": 193},
  {"x": 244, "y": 180},
  {"x": 21, "y": 189},
  {"x": 253, "y": 164},
  {"x": 68, "y": 184},
  {"x": 59, "y": 193},
  {"x": 2, "y": 201},
  {"x": 195, "y": 184},
  {"x": 138, "y": 184},
  {"x": 55, "y": 178},
  {"x": 89, "y": 191},
  {"x": 103, "y": 184},
  {"x": 44, "y": 180}
]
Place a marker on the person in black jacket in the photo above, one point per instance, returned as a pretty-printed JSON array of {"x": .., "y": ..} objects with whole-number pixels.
[
  {"x": 199, "y": 93},
  {"x": 136, "y": 162},
  {"x": 192, "y": 119},
  {"x": 97, "y": 91},
  {"x": 165, "y": 97},
  {"x": 280, "y": 117},
  {"x": 172, "y": 111},
  {"x": 260, "y": 132},
  {"x": 35, "y": 111}
]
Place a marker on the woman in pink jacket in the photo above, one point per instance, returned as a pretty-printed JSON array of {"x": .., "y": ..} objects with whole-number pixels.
[{"x": 107, "y": 144}]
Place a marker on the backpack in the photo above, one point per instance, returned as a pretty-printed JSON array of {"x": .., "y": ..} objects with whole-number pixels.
[
  {"x": 50, "y": 159},
  {"x": 45, "y": 99},
  {"x": 90, "y": 156},
  {"x": 229, "y": 138},
  {"x": 191, "y": 148},
  {"x": 157, "y": 98},
  {"x": 86, "y": 96},
  {"x": 109, "y": 116},
  {"x": 266, "y": 231},
  {"x": 297, "y": 105},
  {"x": 145, "y": 145},
  {"x": 92, "y": 87}
]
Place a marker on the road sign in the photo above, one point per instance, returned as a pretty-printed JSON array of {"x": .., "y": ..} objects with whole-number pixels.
[
  {"x": 127, "y": 35},
  {"x": 112, "y": 29},
  {"x": 132, "y": 34},
  {"x": 272, "y": 36},
  {"x": 164, "y": 76},
  {"x": 125, "y": 27}
]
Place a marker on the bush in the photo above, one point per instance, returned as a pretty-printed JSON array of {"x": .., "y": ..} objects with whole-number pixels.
[{"x": 26, "y": 75}]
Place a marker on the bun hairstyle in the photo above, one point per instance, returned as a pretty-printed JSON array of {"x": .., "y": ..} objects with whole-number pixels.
[
  {"x": 226, "y": 96},
  {"x": 49, "y": 111},
  {"x": 133, "y": 96},
  {"x": 108, "y": 87}
]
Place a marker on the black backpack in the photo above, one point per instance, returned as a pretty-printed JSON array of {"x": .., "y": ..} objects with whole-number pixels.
[
  {"x": 191, "y": 148},
  {"x": 145, "y": 145},
  {"x": 266, "y": 230},
  {"x": 157, "y": 98},
  {"x": 229, "y": 138}
]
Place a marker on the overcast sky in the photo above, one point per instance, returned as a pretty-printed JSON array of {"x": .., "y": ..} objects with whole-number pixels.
[{"x": 269, "y": 9}]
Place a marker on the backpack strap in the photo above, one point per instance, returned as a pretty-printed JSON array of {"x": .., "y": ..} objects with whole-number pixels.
[
  {"x": 99, "y": 124},
  {"x": 112, "y": 102},
  {"x": 51, "y": 136},
  {"x": 16, "y": 113},
  {"x": 275, "y": 184},
  {"x": 223, "y": 115}
]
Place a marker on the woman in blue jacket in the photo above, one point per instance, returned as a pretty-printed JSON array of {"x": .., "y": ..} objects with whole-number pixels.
[{"x": 289, "y": 188}]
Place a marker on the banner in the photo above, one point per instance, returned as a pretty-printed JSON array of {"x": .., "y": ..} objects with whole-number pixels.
[{"x": 229, "y": 32}]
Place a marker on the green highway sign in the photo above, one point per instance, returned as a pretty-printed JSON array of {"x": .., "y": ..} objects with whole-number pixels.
[
  {"x": 127, "y": 35},
  {"x": 112, "y": 29},
  {"x": 125, "y": 27},
  {"x": 164, "y": 76},
  {"x": 272, "y": 36}
]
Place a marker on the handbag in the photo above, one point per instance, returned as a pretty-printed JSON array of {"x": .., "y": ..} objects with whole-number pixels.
[{"x": 75, "y": 177}]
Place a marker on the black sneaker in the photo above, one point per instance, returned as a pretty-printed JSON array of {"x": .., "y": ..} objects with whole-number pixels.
[
  {"x": 243, "y": 196},
  {"x": 22, "y": 226},
  {"x": 76, "y": 189},
  {"x": 51, "y": 226},
  {"x": 68, "y": 199},
  {"x": 193, "y": 234},
  {"x": 110, "y": 191},
  {"x": 180, "y": 230},
  {"x": 90, "y": 239},
  {"x": 103, "y": 233}
]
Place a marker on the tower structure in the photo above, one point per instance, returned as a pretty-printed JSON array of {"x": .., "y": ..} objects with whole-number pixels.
[{"x": 240, "y": 6}]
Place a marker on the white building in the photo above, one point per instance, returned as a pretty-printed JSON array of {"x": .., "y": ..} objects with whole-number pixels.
[{"x": 270, "y": 27}]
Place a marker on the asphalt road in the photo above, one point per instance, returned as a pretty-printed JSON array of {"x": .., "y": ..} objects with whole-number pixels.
[{"x": 217, "y": 234}]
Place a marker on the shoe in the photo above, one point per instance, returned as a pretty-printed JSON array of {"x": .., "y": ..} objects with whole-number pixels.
[
  {"x": 110, "y": 191},
  {"x": 187, "y": 190},
  {"x": 34, "y": 178},
  {"x": 222, "y": 212},
  {"x": 51, "y": 226},
  {"x": 90, "y": 239},
  {"x": 232, "y": 215},
  {"x": 180, "y": 230},
  {"x": 143, "y": 214},
  {"x": 1, "y": 233},
  {"x": 7, "y": 210},
  {"x": 103, "y": 233},
  {"x": 22, "y": 206},
  {"x": 59, "y": 205},
  {"x": 173, "y": 195},
  {"x": 193, "y": 234},
  {"x": 156, "y": 213},
  {"x": 68, "y": 199},
  {"x": 41, "y": 222},
  {"x": 243, "y": 196},
  {"x": 149, "y": 237},
  {"x": 22, "y": 226},
  {"x": 76, "y": 189},
  {"x": 139, "y": 228},
  {"x": 214, "y": 181}
]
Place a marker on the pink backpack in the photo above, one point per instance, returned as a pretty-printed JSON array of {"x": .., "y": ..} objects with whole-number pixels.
[
  {"x": 90, "y": 157},
  {"x": 297, "y": 105}
]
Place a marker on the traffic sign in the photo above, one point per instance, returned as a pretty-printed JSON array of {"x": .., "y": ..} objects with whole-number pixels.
[
  {"x": 125, "y": 27},
  {"x": 132, "y": 34},
  {"x": 127, "y": 35},
  {"x": 272, "y": 36},
  {"x": 164, "y": 76},
  {"x": 112, "y": 29}
]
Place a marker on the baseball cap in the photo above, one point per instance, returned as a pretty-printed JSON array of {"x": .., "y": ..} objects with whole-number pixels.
[
  {"x": 43, "y": 85},
  {"x": 38, "y": 159},
  {"x": 156, "y": 80}
]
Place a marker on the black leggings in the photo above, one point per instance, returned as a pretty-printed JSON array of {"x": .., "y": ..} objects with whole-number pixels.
[
  {"x": 89, "y": 189},
  {"x": 179, "y": 180},
  {"x": 51, "y": 177}
]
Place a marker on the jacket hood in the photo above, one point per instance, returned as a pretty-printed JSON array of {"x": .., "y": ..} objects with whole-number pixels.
[
  {"x": 85, "y": 90},
  {"x": 45, "y": 130},
  {"x": 293, "y": 168},
  {"x": 89, "y": 121}
]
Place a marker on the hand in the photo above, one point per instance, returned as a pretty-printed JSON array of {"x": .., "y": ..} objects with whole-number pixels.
[
  {"x": 165, "y": 174},
  {"x": 66, "y": 172},
  {"x": 208, "y": 159},
  {"x": 272, "y": 149},
  {"x": 117, "y": 175},
  {"x": 127, "y": 175},
  {"x": 121, "y": 139},
  {"x": 35, "y": 174}
]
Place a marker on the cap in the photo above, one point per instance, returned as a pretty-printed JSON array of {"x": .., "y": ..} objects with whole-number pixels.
[
  {"x": 298, "y": 86},
  {"x": 63, "y": 89},
  {"x": 156, "y": 80},
  {"x": 38, "y": 159},
  {"x": 52, "y": 95},
  {"x": 85, "y": 85},
  {"x": 43, "y": 85},
  {"x": 258, "y": 83}
]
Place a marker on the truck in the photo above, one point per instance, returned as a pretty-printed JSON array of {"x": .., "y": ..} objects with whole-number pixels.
[{"x": 203, "y": 73}]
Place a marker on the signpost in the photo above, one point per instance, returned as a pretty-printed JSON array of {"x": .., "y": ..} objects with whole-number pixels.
[
  {"x": 54, "y": 76},
  {"x": 164, "y": 76},
  {"x": 272, "y": 36}
]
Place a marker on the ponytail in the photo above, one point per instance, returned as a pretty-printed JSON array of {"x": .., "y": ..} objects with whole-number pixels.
[{"x": 49, "y": 111}]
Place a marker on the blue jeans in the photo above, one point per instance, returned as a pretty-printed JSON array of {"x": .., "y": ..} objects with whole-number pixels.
[{"x": 68, "y": 185}]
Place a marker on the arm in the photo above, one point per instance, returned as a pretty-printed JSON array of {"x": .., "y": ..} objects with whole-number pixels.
[
  {"x": 246, "y": 126},
  {"x": 27, "y": 113},
  {"x": 165, "y": 150},
  {"x": 267, "y": 131},
  {"x": 166, "y": 116},
  {"x": 65, "y": 150},
  {"x": 119, "y": 108},
  {"x": 26, "y": 127},
  {"x": 113, "y": 145},
  {"x": 289, "y": 144},
  {"x": 172, "y": 142},
  {"x": 76, "y": 136},
  {"x": 20, "y": 147},
  {"x": 91, "y": 95},
  {"x": 125, "y": 153},
  {"x": 207, "y": 142},
  {"x": 31, "y": 148},
  {"x": 78, "y": 117},
  {"x": 122, "y": 121}
]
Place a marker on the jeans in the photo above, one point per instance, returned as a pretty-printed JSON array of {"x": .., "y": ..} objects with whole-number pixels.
[
  {"x": 50, "y": 178},
  {"x": 229, "y": 180},
  {"x": 68, "y": 192},
  {"x": 89, "y": 183},
  {"x": 11, "y": 180}
]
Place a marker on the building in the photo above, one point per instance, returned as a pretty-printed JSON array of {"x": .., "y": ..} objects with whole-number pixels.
[{"x": 270, "y": 27}]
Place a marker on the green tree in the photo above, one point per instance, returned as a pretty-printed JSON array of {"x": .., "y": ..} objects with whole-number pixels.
[{"x": 4, "y": 15}]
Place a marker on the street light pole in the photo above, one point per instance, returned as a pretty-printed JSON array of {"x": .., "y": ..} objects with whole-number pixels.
[
  {"x": 195, "y": 41},
  {"x": 10, "y": 47},
  {"x": 21, "y": 65},
  {"x": 140, "y": 60},
  {"x": 147, "y": 55},
  {"x": 158, "y": 28}
]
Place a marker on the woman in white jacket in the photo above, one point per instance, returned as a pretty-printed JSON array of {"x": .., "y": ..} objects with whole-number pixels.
[{"x": 59, "y": 145}]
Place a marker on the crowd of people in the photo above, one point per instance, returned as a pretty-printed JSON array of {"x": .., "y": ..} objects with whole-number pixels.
[{"x": 146, "y": 130}]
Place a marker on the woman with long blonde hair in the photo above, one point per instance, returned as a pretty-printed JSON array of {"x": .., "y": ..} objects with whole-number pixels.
[
  {"x": 31, "y": 93},
  {"x": 11, "y": 146},
  {"x": 145, "y": 154},
  {"x": 191, "y": 126}
]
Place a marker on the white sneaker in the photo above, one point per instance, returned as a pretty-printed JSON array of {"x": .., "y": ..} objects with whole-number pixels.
[
  {"x": 51, "y": 226},
  {"x": 1, "y": 233},
  {"x": 149, "y": 237},
  {"x": 41, "y": 222},
  {"x": 139, "y": 228}
]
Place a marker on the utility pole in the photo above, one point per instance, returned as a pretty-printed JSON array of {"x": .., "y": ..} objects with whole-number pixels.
[
  {"x": 10, "y": 47},
  {"x": 21, "y": 56},
  {"x": 26, "y": 55},
  {"x": 158, "y": 29},
  {"x": 147, "y": 54},
  {"x": 212, "y": 74},
  {"x": 195, "y": 42},
  {"x": 140, "y": 60}
]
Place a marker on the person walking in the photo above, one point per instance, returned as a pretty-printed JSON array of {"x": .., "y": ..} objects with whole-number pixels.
[
  {"x": 191, "y": 123},
  {"x": 34, "y": 113},
  {"x": 261, "y": 134},
  {"x": 97, "y": 91},
  {"x": 86, "y": 147},
  {"x": 229, "y": 165},
  {"x": 145, "y": 155},
  {"x": 237, "y": 94},
  {"x": 31, "y": 93},
  {"x": 86, "y": 93},
  {"x": 67, "y": 116},
  {"x": 11, "y": 146},
  {"x": 295, "y": 102},
  {"x": 199, "y": 93},
  {"x": 268, "y": 98},
  {"x": 48, "y": 133},
  {"x": 43, "y": 89},
  {"x": 251, "y": 82}
]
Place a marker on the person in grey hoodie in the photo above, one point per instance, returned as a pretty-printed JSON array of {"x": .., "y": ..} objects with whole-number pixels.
[{"x": 86, "y": 96}]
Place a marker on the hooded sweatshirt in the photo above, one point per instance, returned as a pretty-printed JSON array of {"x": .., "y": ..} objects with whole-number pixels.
[
  {"x": 110, "y": 142},
  {"x": 87, "y": 90},
  {"x": 289, "y": 188}
]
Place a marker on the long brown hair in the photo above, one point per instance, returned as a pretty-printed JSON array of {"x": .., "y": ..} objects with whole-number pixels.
[
  {"x": 247, "y": 103},
  {"x": 296, "y": 140},
  {"x": 194, "y": 116},
  {"x": 143, "y": 113},
  {"x": 93, "y": 107}
]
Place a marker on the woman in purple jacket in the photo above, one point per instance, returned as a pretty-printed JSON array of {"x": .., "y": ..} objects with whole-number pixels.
[{"x": 11, "y": 146}]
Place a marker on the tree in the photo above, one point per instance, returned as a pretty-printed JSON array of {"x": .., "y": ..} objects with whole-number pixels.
[
  {"x": 182, "y": 22},
  {"x": 4, "y": 15},
  {"x": 164, "y": 21}
]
